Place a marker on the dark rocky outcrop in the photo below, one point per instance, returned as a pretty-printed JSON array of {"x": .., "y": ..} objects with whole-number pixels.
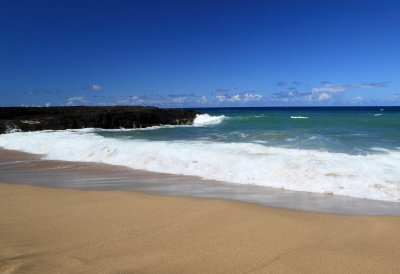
[{"x": 59, "y": 118}]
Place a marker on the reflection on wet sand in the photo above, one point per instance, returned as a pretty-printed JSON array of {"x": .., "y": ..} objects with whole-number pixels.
[{"x": 18, "y": 167}]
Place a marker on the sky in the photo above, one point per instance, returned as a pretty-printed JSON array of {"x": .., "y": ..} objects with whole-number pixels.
[{"x": 199, "y": 53}]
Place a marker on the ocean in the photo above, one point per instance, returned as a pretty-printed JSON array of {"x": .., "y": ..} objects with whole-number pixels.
[{"x": 348, "y": 151}]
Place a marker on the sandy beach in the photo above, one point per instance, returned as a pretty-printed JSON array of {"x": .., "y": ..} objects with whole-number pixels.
[
  {"x": 199, "y": 137},
  {"x": 47, "y": 230}
]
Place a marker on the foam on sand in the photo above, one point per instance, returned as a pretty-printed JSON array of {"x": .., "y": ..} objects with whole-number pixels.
[{"x": 374, "y": 176}]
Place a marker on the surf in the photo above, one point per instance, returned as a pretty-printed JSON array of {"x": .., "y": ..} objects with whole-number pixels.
[{"x": 373, "y": 176}]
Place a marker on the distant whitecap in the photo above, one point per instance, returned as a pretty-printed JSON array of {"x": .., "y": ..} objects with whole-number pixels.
[{"x": 299, "y": 117}]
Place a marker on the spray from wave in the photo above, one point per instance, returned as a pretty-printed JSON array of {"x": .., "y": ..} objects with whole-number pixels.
[{"x": 207, "y": 119}]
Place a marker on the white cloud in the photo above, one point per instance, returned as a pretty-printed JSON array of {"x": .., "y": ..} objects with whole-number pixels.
[
  {"x": 96, "y": 87},
  {"x": 242, "y": 98},
  {"x": 324, "y": 97},
  {"x": 328, "y": 92},
  {"x": 358, "y": 99},
  {"x": 330, "y": 89},
  {"x": 72, "y": 101},
  {"x": 227, "y": 98},
  {"x": 122, "y": 101},
  {"x": 27, "y": 106},
  {"x": 47, "y": 105},
  {"x": 180, "y": 100},
  {"x": 339, "y": 88},
  {"x": 202, "y": 100},
  {"x": 221, "y": 98},
  {"x": 139, "y": 100},
  {"x": 325, "y": 92},
  {"x": 370, "y": 85},
  {"x": 247, "y": 97},
  {"x": 234, "y": 98}
]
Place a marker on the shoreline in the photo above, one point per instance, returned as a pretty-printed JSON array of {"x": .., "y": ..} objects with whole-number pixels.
[
  {"x": 47, "y": 230},
  {"x": 24, "y": 168}
]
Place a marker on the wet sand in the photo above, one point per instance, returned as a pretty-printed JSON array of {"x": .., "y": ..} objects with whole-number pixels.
[
  {"x": 49, "y": 230},
  {"x": 23, "y": 168},
  {"x": 89, "y": 230}
]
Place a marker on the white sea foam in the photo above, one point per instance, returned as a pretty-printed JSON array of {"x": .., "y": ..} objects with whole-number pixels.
[
  {"x": 374, "y": 176},
  {"x": 299, "y": 117},
  {"x": 207, "y": 119},
  {"x": 12, "y": 129},
  {"x": 378, "y": 114}
]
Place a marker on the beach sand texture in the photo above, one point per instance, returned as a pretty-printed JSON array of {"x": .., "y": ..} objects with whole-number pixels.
[{"x": 46, "y": 230}]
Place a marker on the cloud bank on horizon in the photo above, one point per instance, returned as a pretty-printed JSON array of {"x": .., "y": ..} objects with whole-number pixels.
[
  {"x": 323, "y": 94},
  {"x": 201, "y": 54}
]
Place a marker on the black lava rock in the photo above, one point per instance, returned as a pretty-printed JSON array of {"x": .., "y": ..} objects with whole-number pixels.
[{"x": 113, "y": 117}]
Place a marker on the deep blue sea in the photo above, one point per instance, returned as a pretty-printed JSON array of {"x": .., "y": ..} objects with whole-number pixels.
[{"x": 351, "y": 151}]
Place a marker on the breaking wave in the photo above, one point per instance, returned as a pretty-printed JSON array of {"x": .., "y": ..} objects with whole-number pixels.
[
  {"x": 373, "y": 176},
  {"x": 207, "y": 119}
]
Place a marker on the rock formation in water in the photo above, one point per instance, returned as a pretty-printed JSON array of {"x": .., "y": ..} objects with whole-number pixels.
[{"x": 59, "y": 118}]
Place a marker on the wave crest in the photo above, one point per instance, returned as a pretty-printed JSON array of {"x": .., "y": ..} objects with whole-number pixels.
[{"x": 207, "y": 119}]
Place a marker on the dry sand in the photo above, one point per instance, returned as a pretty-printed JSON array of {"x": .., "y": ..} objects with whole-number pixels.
[{"x": 45, "y": 230}]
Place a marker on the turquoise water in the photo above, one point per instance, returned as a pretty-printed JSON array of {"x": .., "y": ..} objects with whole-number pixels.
[{"x": 347, "y": 130}]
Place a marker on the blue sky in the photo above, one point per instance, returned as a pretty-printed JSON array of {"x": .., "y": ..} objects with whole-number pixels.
[{"x": 199, "y": 53}]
